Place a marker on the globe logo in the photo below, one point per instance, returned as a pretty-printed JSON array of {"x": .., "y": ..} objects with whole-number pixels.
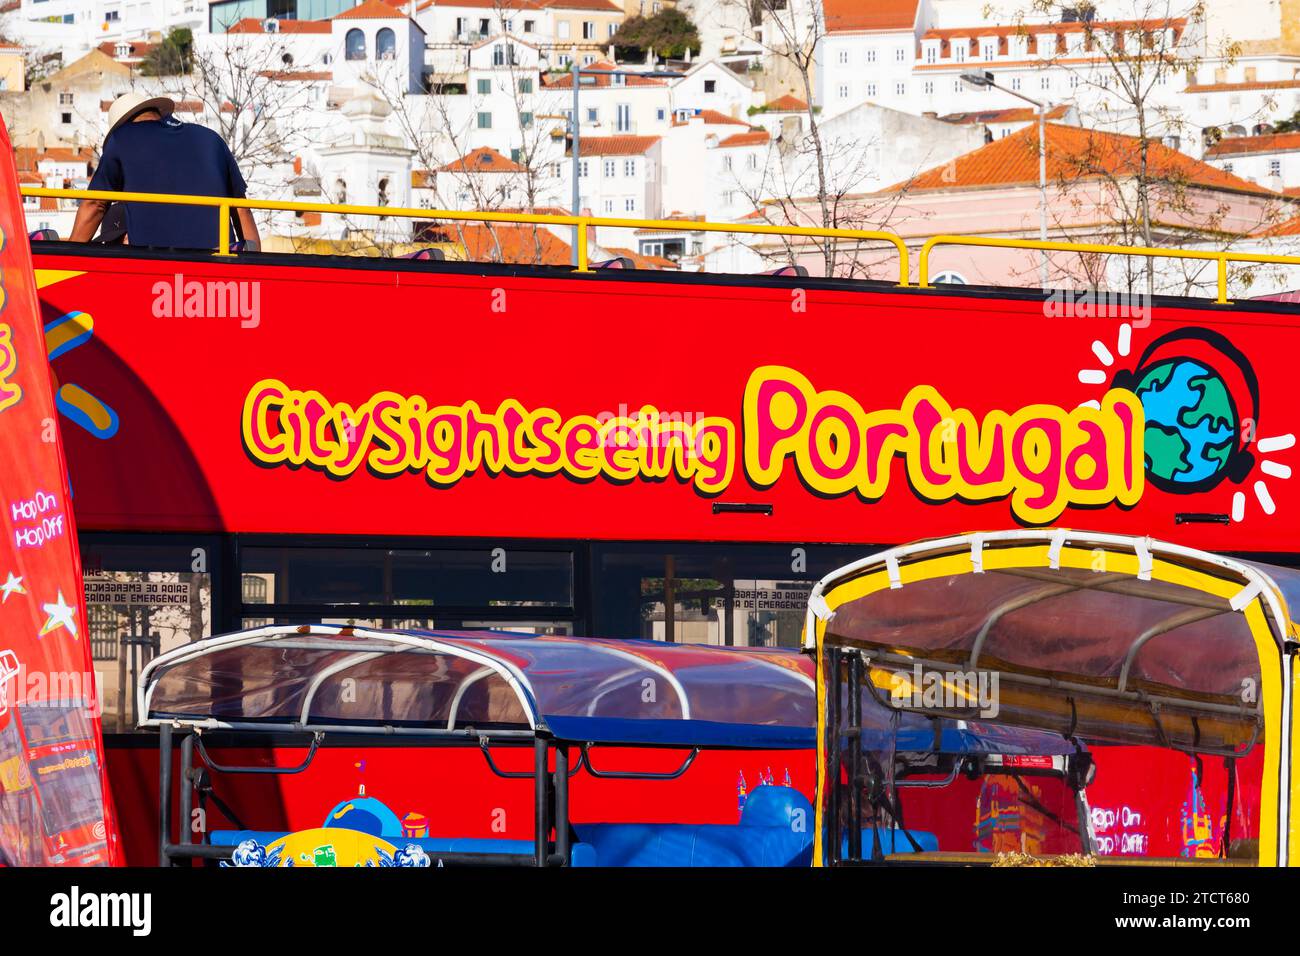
[{"x": 1191, "y": 424}]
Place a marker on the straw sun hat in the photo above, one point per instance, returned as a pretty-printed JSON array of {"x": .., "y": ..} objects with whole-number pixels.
[{"x": 130, "y": 104}]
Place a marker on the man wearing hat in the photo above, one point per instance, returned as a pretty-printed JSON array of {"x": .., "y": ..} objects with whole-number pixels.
[{"x": 148, "y": 150}]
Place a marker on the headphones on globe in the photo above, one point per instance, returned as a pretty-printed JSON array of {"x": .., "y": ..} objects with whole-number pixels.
[{"x": 1203, "y": 346}]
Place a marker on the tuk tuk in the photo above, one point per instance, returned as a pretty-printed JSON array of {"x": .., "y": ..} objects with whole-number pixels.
[
  {"x": 1102, "y": 640},
  {"x": 576, "y": 703}
]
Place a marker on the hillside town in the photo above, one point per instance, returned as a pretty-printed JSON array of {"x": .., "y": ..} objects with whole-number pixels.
[{"x": 1159, "y": 123}]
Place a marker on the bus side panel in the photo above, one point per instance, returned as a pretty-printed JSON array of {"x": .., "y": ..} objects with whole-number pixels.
[{"x": 212, "y": 396}]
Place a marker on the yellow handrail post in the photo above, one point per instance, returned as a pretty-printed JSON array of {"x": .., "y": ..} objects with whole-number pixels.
[
  {"x": 1223, "y": 280},
  {"x": 223, "y": 225},
  {"x": 582, "y": 247},
  {"x": 923, "y": 265}
]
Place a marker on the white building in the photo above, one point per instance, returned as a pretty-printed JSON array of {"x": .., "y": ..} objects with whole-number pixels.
[
  {"x": 710, "y": 85},
  {"x": 1270, "y": 159},
  {"x": 73, "y": 26},
  {"x": 1245, "y": 97},
  {"x": 366, "y": 165},
  {"x": 867, "y": 54},
  {"x": 612, "y": 104},
  {"x": 377, "y": 41},
  {"x": 618, "y": 177},
  {"x": 565, "y": 31}
]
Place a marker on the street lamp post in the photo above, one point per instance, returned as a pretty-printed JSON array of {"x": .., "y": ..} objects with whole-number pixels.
[
  {"x": 575, "y": 129},
  {"x": 986, "y": 81}
]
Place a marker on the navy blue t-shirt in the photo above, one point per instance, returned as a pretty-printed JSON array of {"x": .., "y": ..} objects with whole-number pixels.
[{"x": 168, "y": 156}]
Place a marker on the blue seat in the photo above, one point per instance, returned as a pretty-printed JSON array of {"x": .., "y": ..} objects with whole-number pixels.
[{"x": 775, "y": 830}]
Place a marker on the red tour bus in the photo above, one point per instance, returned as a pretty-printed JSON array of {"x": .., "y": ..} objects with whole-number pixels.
[{"x": 287, "y": 439}]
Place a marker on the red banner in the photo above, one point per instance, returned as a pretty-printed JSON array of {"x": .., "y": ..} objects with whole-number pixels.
[{"x": 52, "y": 781}]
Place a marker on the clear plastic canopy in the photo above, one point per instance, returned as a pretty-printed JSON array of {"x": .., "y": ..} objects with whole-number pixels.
[
  {"x": 582, "y": 689},
  {"x": 320, "y": 677},
  {"x": 1102, "y": 636}
]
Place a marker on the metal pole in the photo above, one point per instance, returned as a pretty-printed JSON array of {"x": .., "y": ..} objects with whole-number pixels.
[
  {"x": 832, "y": 743},
  {"x": 854, "y": 736},
  {"x": 542, "y": 824},
  {"x": 1042, "y": 185},
  {"x": 575, "y": 123},
  {"x": 121, "y": 682},
  {"x": 187, "y": 789},
  {"x": 987, "y": 82},
  {"x": 562, "y": 804},
  {"x": 164, "y": 793}
]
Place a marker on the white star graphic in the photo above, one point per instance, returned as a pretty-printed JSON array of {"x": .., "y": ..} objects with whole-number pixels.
[
  {"x": 60, "y": 615},
  {"x": 12, "y": 586}
]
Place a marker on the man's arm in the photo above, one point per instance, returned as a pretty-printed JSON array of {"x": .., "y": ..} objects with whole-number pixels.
[
  {"x": 90, "y": 213},
  {"x": 248, "y": 228}
]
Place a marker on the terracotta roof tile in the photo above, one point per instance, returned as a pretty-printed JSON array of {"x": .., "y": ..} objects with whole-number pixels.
[
  {"x": 1015, "y": 114},
  {"x": 616, "y": 145},
  {"x": 485, "y": 159},
  {"x": 506, "y": 243},
  {"x": 254, "y": 25},
  {"x": 601, "y": 81},
  {"x": 787, "y": 104},
  {"x": 138, "y": 49},
  {"x": 981, "y": 30},
  {"x": 714, "y": 118},
  {"x": 27, "y": 157},
  {"x": 1072, "y": 153},
  {"x": 855, "y": 16},
  {"x": 1243, "y": 87},
  {"x": 483, "y": 4},
  {"x": 599, "y": 5},
  {"x": 1265, "y": 143},
  {"x": 1290, "y": 227},
  {"x": 642, "y": 261},
  {"x": 754, "y": 137},
  {"x": 371, "y": 10}
]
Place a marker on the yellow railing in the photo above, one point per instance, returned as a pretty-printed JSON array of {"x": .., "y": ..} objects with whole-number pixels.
[
  {"x": 1222, "y": 258},
  {"x": 581, "y": 223}
]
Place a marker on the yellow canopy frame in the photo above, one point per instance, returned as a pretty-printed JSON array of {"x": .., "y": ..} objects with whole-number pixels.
[{"x": 1118, "y": 637}]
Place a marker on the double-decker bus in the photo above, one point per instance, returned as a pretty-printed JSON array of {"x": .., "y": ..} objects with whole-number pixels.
[{"x": 272, "y": 438}]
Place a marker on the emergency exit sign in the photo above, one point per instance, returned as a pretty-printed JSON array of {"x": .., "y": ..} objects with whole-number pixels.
[{"x": 135, "y": 593}]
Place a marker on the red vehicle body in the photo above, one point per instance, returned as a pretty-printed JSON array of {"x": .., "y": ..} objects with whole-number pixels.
[{"x": 692, "y": 447}]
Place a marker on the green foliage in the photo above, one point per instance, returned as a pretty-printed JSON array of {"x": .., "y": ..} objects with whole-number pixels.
[
  {"x": 670, "y": 33},
  {"x": 1291, "y": 125},
  {"x": 172, "y": 57}
]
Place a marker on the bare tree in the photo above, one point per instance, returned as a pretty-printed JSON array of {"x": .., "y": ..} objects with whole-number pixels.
[
  {"x": 788, "y": 32},
  {"x": 440, "y": 127},
  {"x": 250, "y": 94},
  {"x": 1130, "y": 70}
]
